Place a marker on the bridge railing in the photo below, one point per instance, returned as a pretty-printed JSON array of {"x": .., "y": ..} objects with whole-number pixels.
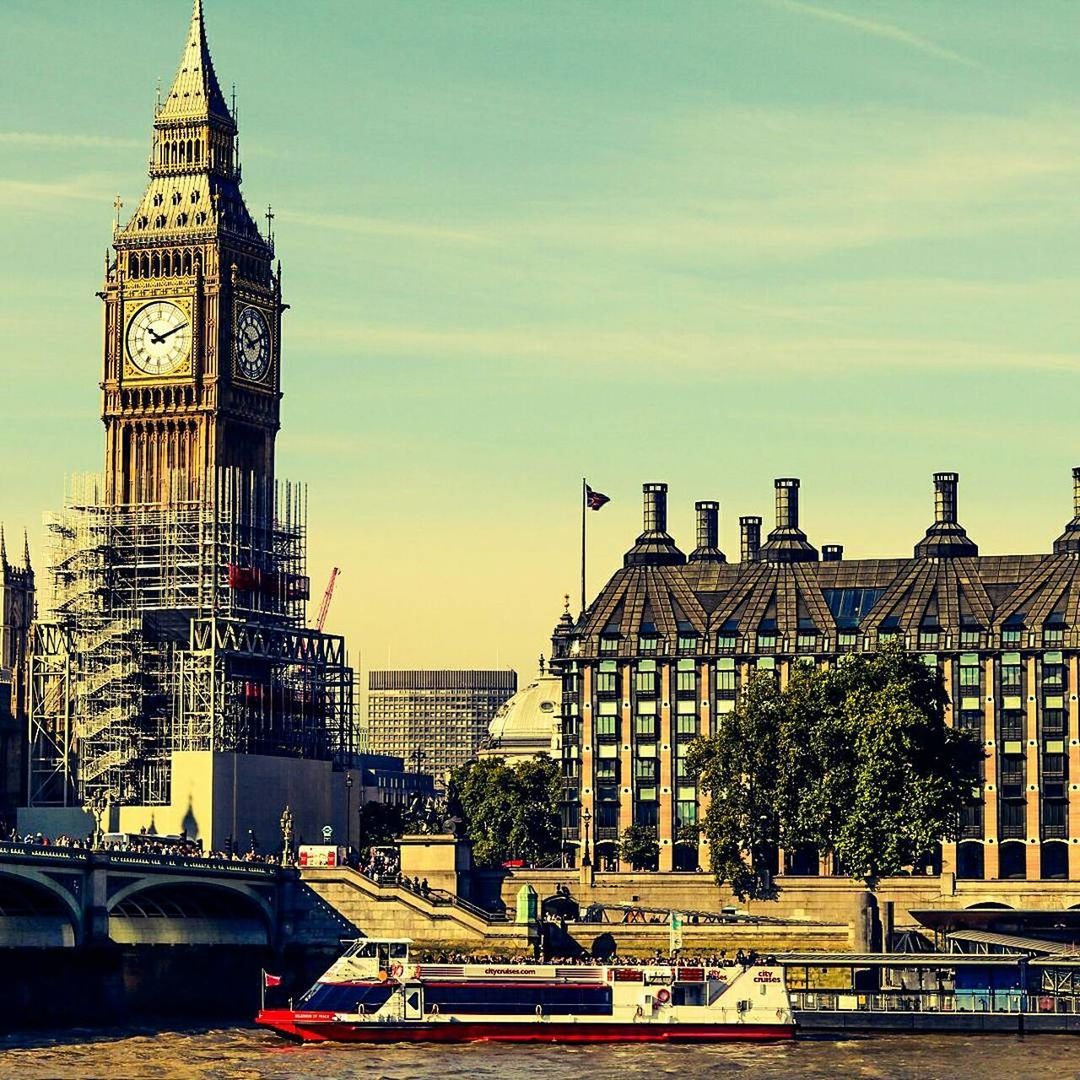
[{"x": 138, "y": 858}]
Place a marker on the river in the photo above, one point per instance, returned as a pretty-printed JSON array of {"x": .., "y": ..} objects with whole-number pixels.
[{"x": 246, "y": 1053}]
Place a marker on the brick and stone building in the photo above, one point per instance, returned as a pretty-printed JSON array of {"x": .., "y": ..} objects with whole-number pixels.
[{"x": 661, "y": 654}]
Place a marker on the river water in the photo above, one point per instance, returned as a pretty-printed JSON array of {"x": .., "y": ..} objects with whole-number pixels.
[{"x": 247, "y": 1053}]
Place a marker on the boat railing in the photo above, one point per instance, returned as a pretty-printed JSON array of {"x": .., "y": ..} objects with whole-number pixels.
[{"x": 934, "y": 1001}]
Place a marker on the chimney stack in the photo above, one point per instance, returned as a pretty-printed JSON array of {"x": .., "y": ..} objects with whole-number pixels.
[
  {"x": 749, "y": 538},
  {"x": 654, "y": 547},
  {"x": 787, "y": 542},
  {"x": 832, "y": 552},
  {"x": 708, "y": 533},
  {"x": 945, "y": 539},
  {"x": 1069, "y": 541},
  {"x": 787, "y": 503},
  {"x": 655, "y": 507},
  {"x": 945, "y": 497}
]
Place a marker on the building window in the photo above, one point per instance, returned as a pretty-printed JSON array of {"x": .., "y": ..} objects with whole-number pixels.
[
  {"x": 645, "y": 769},
  {"x": 726, "y": 677},
  {"x": 607, "y": 727},
  {"x": 1011, "y": 673},
  {"x": 847, "y": 639},
  {"x": 970, "y": 637},
  {"x": 647, "y": 644},
  {"x": 607, "y": 677},
  {"x": 609, "y": 644},
  {"x": 725, "y": 642},
  {"x": 1010, "y": 635},
  {"x": 645, "y": 726},
  {"x": 645, "y": 677},
  {"x": 686, "y": 720},
  {"x": 1053, "y": 635},
  {"x": 928, "y": 639},
  {"x": 688, "y": 643},
  {"x": 686, "y": 677},
  {"x": 1053, "y": 721},
  {"x": 686, "y": 812},
  {"x": 806, "y": 641},
  {"x": 970, "y": 670},
  {"x": 766, "y": 642},
  {"x": 607, "y": 771}
]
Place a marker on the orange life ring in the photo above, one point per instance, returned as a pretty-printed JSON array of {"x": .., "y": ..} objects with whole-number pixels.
[{"x": 663, "y": 996}]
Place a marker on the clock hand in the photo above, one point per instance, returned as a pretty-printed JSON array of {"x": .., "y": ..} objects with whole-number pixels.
[{"x": 169, "y": 333}]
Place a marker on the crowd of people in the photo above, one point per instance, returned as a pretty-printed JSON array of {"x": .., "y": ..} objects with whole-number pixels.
[
  {"x": 143, "y": 843},
  {"x": 715, "y": 961}
]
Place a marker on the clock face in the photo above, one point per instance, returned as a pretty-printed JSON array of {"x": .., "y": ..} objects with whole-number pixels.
[
  {"x": 252, "y": 344},
  {"x": 159, "y": 338}
]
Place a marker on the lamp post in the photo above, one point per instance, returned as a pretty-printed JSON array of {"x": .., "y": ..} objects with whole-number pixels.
[
  {"x": 587, "y": 820},
  {"x": 348, "y": 810},
  {"x": 286, "y": 836}
]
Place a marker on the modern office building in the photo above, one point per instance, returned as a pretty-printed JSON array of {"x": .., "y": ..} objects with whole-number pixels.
[
  {"x": 435, "y": 720},
  {"x": 175, "y": 673},
  {"x": 662, "y": 653}
]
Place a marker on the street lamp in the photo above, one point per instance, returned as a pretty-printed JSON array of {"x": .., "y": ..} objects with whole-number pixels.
[
  {"x": 587, "y": 819},
  {"x": 348, "y": 809}
]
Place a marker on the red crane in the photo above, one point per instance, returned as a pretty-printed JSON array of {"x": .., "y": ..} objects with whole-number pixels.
[{"x": 324, "y": 607}]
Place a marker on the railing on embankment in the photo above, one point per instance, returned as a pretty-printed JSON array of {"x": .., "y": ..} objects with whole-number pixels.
[{"x": 433, "y": 920}]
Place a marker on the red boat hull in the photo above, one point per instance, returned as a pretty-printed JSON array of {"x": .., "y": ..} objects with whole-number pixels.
[{"x": 312, "y": 1028}]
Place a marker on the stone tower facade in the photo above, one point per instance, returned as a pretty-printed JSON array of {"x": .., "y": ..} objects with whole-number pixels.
[
  {"x": 192, "y": 308},
  {"x": 16, "y": 615}
]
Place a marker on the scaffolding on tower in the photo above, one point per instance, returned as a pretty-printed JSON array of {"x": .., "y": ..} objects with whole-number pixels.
[{"x": 178, "y": 626}]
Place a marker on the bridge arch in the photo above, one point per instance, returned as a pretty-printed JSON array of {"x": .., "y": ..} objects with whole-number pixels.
[
  {"x": 36, "y": 911},
  {"x": 177, "y": 910}
]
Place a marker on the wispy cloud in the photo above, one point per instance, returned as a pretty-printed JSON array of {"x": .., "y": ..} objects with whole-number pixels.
[
  {"x": 370, "y": 226},
  {"x": 56, "y": 195},
  {"x": 876, "y": 29},
  {"x": 66, "y": 139}
]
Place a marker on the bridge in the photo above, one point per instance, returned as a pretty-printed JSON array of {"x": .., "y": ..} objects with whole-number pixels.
[{"x": 58, "y": 897}]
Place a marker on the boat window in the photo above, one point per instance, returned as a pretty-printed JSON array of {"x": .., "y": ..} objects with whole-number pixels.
[
  {"x": 365, "y": 949},
  {"x": 399, "y": 950}
]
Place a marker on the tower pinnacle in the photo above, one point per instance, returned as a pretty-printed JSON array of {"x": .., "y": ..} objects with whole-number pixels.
[
  {"x": 195, "y": 93},
  {"x": 3, "y": 548}
]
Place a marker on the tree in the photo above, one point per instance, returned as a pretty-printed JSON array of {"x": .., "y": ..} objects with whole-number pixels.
[
  {"x": 509, "y": 812},
  {"x": 640, "y": 848},
  {"x": 856, "y": 760},
  {"x": 380, "y": 823}
]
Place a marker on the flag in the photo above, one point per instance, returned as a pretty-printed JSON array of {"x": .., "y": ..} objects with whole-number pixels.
[
  {"x": 270, "y": 980},
  {"x": 675, "y": 933},
  {"x": 594, "y": 499}
]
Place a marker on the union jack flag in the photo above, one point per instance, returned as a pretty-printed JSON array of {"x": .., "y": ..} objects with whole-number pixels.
[{"x": 595, "y": 499}]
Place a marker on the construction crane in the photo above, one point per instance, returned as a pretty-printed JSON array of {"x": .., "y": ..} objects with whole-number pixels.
[{"x": 324, "y": 607}]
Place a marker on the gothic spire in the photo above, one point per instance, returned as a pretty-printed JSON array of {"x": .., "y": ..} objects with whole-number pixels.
[
  {"x": 3, "y": 548},
  {"x": 26, "y": 549},
  {"x": 195, "y": 93}
]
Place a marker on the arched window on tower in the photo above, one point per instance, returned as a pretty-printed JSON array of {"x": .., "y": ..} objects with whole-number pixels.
[
  {"x": 187, "y": 262},
  {"x": 155, "y": 265},
  {"x": 198, "y": 150},
  {"x": 133, "y": 266},
  {"x": 145, "y": 266}
]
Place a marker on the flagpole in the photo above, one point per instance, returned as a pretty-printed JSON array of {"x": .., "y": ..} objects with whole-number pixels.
[
  {"x": 262, "y": 990},
  {"x": 583, "y": 545}
]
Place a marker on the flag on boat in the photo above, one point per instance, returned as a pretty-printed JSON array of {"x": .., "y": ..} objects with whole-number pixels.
[
  {"x": 595, "y": 499},
  {"x": 270, "y": 980}
]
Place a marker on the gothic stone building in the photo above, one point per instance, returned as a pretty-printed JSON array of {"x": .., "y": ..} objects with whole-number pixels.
[{"x": 661, "y": 654}]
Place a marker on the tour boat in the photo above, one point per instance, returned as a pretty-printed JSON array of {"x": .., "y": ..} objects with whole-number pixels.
[{"x": 374, "y": 993}]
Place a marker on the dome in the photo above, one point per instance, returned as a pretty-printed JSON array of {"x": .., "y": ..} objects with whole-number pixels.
[{"x": 527, "y": 724}]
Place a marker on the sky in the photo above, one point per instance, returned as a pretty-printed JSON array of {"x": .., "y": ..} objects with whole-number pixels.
[{"x": 704, "y": 243}]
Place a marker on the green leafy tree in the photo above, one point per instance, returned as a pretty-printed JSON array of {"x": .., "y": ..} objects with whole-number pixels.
[
  {"x": 380, "y": 823},
  {"x": 856, "y": 760},
  {"x": 640, "y": 847},
  {"x": 509, "y": 812}
]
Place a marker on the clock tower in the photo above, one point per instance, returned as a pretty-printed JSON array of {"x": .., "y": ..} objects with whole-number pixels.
[{"x": 191, "y": 381}]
